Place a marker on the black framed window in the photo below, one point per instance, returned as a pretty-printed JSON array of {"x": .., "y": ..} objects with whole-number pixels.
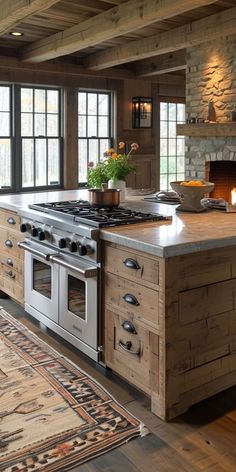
[
  {"x": 5, "y": 138},
  {"x": 30, "y": 138},
  {"x": 94, "y": 129},
  {"x": 172, "y": 147},
  {"x": 40, "y": 137}
]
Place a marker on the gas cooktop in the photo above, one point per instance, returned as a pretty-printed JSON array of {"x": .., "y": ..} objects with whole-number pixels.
[{"x": 80, "y": 211}]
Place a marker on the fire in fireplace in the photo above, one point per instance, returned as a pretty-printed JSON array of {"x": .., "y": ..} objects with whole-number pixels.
[{"x": 223, "y": 174}]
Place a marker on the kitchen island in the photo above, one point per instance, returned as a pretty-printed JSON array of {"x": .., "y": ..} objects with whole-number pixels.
[{"x": 169, "y": 297}]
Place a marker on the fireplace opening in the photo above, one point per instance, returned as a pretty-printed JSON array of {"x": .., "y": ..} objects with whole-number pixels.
[{"x": 223, "y": 175}]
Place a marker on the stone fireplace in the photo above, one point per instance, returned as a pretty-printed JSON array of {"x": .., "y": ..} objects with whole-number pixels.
[{"x": 211, "y": 76}]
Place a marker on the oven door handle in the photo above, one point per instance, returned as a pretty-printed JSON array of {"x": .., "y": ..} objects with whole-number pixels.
[
  {"x": 33, "y": 251},
  {"x": 87, "y": 273}
]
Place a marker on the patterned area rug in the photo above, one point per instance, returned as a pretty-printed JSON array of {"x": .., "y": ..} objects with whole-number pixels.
[{"x": 53, "y": 417}]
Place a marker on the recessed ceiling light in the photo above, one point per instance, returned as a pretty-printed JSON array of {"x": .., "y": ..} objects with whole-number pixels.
[{"x": 16, "y": 33}]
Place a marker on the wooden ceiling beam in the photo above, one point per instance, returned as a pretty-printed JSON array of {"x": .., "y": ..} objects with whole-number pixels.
[
  {"x": 165, "y": 64},
  {"x": 13, "y": 11},
  {"x": 191, "y": 34},
  {"x": 119, "y": 20}
]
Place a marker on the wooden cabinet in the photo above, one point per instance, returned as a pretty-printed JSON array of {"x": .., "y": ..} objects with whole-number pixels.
[
  {"x": 178, "y": 343},
  {"x": 11, "y": 256},
  {"x": 133, "y": 306}
]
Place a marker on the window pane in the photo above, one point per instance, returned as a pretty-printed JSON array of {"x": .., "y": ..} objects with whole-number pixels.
[
  {"x": 39, "y": 100},
  {"x": 163, "y": 147},
  {"x": 103, "y": 126},
  {"x": 4, "y": 98},
  {"x": 172, "y": 147},
  {"x": 181, "y": 164},
  {"x": 164, "y": 128},
  {"x": 163, "y": 165},
  {"x": 27, "y": 162},
  {"x": 40, "y": 162},
  {"x": 163, "y": 182},
  {"x": 4, "y": 124},
  {"x": 82, "y": 103},
  {"x": 52, "y": 101},
  {"x": 93, "y": 150},
  {"x": 83, "y": 160},
  {"x": 92, "y": 126},
  {"x": 180, "y": 146},
  {"x": 26, "y": 100},
  {"x": 104, "y": 146},
  {"x": 172, "y": 164},
  {"x": 163, "y": 111},
  {"x": 53, "y": 161},
  {"x": 172, "y": 111},
  {"x": 82, "y": 126},
  {"x": 39, "y": 124},
  {"x": 172, "y": 129},
  {"x": 92, "y": 104},
  {"x": 52, "y": 125},
  {"x": 180, "y": 113},
  {"x": 103, "y": 104},
  {"x": 26, "y": 124},
  {"x": 5, "y": 163}
]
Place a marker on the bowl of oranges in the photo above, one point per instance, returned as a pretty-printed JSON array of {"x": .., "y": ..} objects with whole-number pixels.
[{"x": 191, "y": 193}]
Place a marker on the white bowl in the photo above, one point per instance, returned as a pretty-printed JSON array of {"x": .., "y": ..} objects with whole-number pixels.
[{"x": 191, "y": 195}]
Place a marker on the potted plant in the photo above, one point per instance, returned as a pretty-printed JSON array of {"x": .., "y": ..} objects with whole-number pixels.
[
  {"x": 118, "y": 166},
  {"x": 97, "y": 174}
]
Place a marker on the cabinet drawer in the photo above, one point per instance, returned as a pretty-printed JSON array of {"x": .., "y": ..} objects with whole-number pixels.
[
  {"x": 8, "y": 243},
  {"x": 11, "y": 262},
  {"x": 10, "y": 220},
  {"x": 132, "y": 265},
  {"x": 11, "y": 282},
  {"x": 132, "y": 299},
  {"x": 134, "y": 356}
]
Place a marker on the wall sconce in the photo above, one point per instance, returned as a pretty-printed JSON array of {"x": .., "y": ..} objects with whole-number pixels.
[{"x": 142, "y": 112}]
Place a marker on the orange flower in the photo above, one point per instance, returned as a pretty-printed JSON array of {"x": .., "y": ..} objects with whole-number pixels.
[{"x": 121, "y": 145}]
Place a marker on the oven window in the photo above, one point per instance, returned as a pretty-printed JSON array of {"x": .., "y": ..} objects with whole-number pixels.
[
  {"x": 42, "y": 278},
  {"x": 76, "y": 296}
]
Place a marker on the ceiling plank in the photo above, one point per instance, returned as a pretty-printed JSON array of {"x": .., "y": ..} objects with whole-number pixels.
[
  {"x": 13, "y": 11},
  {"x": 162, "y": 65},
  {"x": 122, "y": 19},
  {"x": 191, "y": 34}
]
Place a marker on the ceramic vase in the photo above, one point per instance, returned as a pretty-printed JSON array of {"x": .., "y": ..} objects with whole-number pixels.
[{"x": 118, "y": 184}]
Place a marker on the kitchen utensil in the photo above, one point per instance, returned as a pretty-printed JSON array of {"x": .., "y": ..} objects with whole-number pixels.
[{"x": 104, "y": 197}]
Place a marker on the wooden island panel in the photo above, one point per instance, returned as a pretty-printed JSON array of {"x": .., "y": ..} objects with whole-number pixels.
[{"x": 193, "y": 331}]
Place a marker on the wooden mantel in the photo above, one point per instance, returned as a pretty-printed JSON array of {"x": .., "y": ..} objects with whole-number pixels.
[{"x": 207, "y": 129}]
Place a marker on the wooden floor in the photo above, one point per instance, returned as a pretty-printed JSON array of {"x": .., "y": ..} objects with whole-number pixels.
[{"x": 204, "y": 439}]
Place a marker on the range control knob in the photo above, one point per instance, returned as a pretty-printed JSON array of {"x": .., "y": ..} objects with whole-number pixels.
[
  {"x": 23, "y": 227},
  {"x": 72, "y": 246},
  {"x": 62, "y": 243},
  {"x": 34, "y": 232},
  {"x": 82, "y": 250},
  {"x": 41, "y": 235}
]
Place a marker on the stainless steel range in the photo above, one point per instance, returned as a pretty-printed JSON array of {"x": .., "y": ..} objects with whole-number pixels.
[{"x": 62, "y": 266}]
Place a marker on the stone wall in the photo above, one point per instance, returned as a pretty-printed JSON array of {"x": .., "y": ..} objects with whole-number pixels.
[{"x": 210, "y": 76}]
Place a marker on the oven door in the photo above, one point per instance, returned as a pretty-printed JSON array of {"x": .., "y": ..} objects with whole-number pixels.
[
  {"x": 41, "y": 281},
  {"x": 78, "y": 300}
]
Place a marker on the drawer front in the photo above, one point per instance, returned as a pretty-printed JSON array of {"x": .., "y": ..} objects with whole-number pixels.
[
  {"x": 132, "y": 265},
  {"x": 8, "y": 243},
  {"x": 133, "y": 356},
  {"x": 11, "y": 262},
  {"x": 133, "y": 299},
  {"x": 10, "y": 220},
  {"x": 11, "y": 282}
]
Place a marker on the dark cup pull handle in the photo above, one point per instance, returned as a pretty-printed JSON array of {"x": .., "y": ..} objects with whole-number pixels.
[
  {"x": 131, "y": 264},
  {"x": 10, "y": 274},
  {"x": 9, "y": 262},
  {"x": 128, "y": 326},
  {"x": 8, "y": 243},
  {"x": 129, "y": 298},
  {"x": 11, "y": 221},
  {"x": 127, "y": 348}
]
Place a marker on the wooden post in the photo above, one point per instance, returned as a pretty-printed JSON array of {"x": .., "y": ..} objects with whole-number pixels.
[{"x": 71, "y": 139}]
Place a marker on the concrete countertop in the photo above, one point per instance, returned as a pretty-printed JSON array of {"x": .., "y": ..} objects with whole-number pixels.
[{"x": 185, "y": 233}]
